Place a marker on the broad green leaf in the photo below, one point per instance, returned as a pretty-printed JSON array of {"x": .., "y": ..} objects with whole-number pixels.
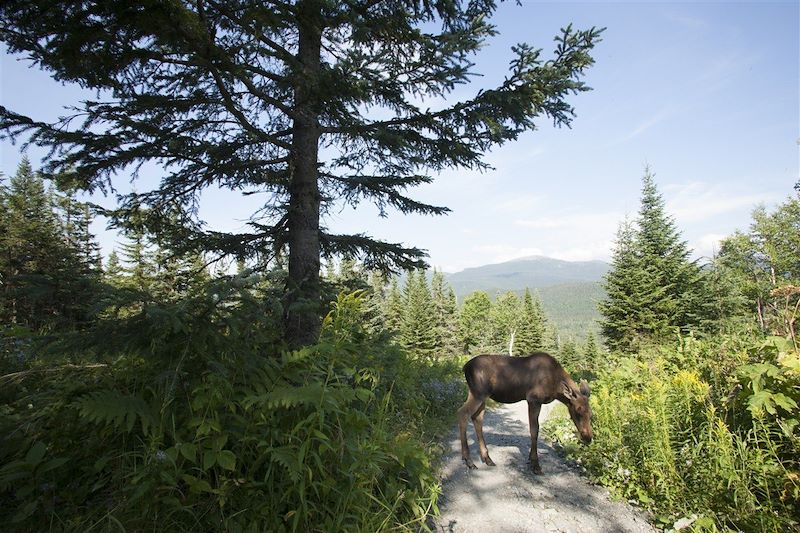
[
  {"x": 226, "y": 459},
  {"x": 209, "y": 459},
  {"x": 36, "y": 453},
  {"x": 188, "y": 450}
]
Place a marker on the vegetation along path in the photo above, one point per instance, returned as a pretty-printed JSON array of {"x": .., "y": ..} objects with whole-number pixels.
[{"x": 508, "y": 498}]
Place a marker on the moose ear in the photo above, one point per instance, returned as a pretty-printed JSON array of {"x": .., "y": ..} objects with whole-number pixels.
[
  {"x": 585, "y": 388},
  {"x": 568, "y": 393}
]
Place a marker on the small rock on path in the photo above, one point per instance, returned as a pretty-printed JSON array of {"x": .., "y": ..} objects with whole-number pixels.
[{"x": 508, "y": 498}]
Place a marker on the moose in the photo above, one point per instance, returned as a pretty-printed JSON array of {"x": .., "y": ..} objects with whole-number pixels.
[{"x": 537, "y": 378}]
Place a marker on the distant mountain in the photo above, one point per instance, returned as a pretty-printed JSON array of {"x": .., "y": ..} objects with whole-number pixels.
[
  {"x": 569, "y": 290},
  {"x": 531, "y": 272}
]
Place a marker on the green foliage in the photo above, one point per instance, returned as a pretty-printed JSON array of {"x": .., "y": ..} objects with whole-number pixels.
[
  {"x": 204, "y": 427},
  {"x": 532, "y": 325},
  {"x": 652, "y": 287},
  {"x": 762, "y": 270},
  {"x": 222, "y": 95},
  {"x": 446, "y": 314},
  {"x": 473, "y": 321},
  {"x": 678, "y": 430},
  {"x": 418, "y": 322},
  {"x": 48, "y": 262}
]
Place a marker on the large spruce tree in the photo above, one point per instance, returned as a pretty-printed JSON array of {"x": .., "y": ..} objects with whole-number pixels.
[
  {"x": 308, "y": 103},
  {"x": 652, "y": 286}
]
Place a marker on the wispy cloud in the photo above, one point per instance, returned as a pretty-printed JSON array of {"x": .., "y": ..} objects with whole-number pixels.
[
  {"x": 687, "y": 21},
  {"x": 519, "y": 203},
  {"x": 591, "y": 222},
  {"x": 707, "y": 246},
  {"x": 698, "y": 201},
  {"x": 654, "y": 120},
  {"x": 499, "y": 253}
]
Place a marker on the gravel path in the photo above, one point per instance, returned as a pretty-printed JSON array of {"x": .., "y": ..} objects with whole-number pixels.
[{"x": 508, "y": 498}]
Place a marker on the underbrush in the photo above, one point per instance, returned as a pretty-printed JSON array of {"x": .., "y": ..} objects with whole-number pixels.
[
  {"x": 703, "y": 434},
  {"x": 197, "y": 422}
]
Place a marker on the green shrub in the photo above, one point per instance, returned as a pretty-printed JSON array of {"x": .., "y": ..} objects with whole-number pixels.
[
  {"x": 212, "y": 427},
  {"x": 692, "y": 431}
]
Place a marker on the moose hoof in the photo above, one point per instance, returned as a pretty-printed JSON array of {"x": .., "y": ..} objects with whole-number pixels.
[
  {"x": 536, "y": 469},
  {"x": 470, "y": 464},
  {"x": 489, "y": 461}
]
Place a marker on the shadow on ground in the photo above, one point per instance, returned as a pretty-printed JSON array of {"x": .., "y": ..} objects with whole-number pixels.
[{"x": 510, "y": 498}]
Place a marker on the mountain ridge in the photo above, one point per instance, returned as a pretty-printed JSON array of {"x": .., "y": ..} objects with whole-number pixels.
[
  {"x": 527, "y": 272},
  {"x": 568, "y": 290}
]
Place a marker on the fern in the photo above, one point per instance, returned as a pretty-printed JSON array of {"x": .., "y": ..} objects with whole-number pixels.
[
  {"x": 288, "y": 396},
  {"x": 111, "y": 407}
]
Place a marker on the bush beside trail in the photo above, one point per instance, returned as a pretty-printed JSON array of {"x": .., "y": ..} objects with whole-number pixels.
[
  {"x": 224, "y": 434},
  {"x": 703, "y": 433}
]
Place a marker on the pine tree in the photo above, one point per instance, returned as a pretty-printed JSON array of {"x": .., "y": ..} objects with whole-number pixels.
[
  {"x": 446, "y": 313},
  {"x": 242, "y": 94},
  {"x": 394, "y": 307},
  {"x": 591, "y": 361},
  {"x": 375, "y": 307},
  {"x": 43, "y": 284},
  {"x": 113, "y": 272},
  {"x": 532, "y": 326},
  {"x": 473, "y": 322},
  {"x": 569, "y": 357},
  {"x": 504, "y": 322},
  {"x": 652, "y": 286},
  {"x": 666, "y": 255},
  {"x": 623, "y": 306},
  {"x": 418, "y": 325},
  {"x": 137, "y": 255}
]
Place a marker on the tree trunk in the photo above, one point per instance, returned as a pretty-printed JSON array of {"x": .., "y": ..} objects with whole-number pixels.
[{"x": 302, "y": 316}]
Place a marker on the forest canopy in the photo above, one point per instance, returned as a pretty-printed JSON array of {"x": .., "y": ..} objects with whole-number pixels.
[{"x": 305, "y": 104}]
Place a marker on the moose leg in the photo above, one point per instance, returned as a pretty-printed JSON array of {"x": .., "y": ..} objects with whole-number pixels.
[
  {"x": 533, "y": 420},
  {"x": 464, "y": 413},
  {"x": 477, "y": 421}
]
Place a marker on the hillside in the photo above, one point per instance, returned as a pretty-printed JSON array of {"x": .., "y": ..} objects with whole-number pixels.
[
  {"x": 531, "y": 272},
  {"x": 572, "y": 307},
  {"x": 569, "y": 290}
]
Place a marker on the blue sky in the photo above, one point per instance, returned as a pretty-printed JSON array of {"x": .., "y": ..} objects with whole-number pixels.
[{"x": 707, "y": 94}]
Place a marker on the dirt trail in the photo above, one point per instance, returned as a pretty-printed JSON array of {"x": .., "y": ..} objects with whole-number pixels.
[{"x": 508, "y": 498}]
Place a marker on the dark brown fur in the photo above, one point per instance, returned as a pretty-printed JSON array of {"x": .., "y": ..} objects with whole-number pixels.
[{"x": 537, "y": 378}]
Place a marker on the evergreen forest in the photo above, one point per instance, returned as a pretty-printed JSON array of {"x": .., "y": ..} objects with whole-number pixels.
[{"x": 289, "y": 378}]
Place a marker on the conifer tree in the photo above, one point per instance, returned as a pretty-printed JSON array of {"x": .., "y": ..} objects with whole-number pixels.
[
  {"x": 137, "y": 255},
  {"x": 113, "y": 271},
  {"x": 446, "y": 311},
  {"x": 652, "y": 286},
  {"x": 394, "y": 307},
  {"x": 532, "y": 325},
  {"x": 623, "y": 307},
  {"x": 242, "y": 95},
  {"x": 591, "y": 355},
  {"x": 473, "y": 323},
  {"x": 568, "y": 356},
  {"x": 505, "y": 319},
  {"x": 418, "y": 325},
  {"x": 375, "y": 308},
  {"x": 43, "y": 283},
  {"x": 666, "y": 255}
]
